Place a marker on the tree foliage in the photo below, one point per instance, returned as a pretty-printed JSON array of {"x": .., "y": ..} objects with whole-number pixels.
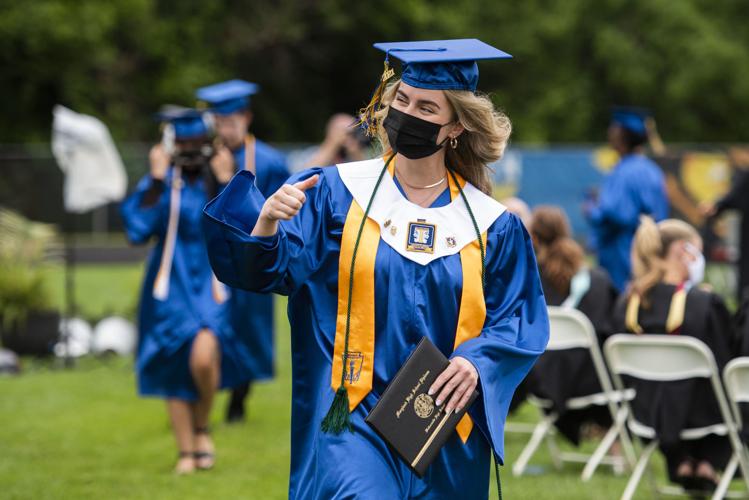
[{"x": 687, "y": 60}]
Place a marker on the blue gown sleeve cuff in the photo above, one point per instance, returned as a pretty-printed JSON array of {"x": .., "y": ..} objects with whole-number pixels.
[{"x": 238, "y": 206}]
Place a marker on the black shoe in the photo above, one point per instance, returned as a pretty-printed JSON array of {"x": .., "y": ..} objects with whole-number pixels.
[{"x": 235, "y": 414}]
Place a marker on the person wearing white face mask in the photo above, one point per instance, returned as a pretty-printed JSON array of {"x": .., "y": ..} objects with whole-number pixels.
[
  {"x": 663, "y": 297},
  {"x": 695, "y": 262}
]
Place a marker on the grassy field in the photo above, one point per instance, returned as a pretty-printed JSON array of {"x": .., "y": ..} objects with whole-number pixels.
[{"x": 83, "y": 433}]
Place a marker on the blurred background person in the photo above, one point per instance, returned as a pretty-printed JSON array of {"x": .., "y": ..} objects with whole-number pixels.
[
  {"x": 344, "y": 141},
  {"x": 737, "y": 199},
  {"x": 662, "y": 299},
  {"x": 187, "y": 348},
  {"x": 238, "y": 149},
  {"x": 636, "y": 186},
  {"x": 568, "y": 281},
  {"x": 519, "y": 207}
]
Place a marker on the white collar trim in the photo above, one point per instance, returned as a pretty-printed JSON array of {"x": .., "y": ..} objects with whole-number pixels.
[{"x": 453, "y": 228}]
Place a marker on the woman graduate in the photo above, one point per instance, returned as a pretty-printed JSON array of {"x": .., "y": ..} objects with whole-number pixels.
[
  {"x": 635, "y": 187},
  {"x": 568, "y": 282},
  {"x": 432, "y": 255},
  {"x": 186, "y": 347},
  {"x": 251, "y": 313},
  {"x": 663, "y": 298}
]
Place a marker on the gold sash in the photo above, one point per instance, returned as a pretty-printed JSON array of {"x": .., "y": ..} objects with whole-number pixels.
[
  {"x": 675, "y": 317},
  {"x": 358, "y": 358}
]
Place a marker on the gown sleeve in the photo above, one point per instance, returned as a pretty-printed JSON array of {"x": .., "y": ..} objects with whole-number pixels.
[
  {"x": 515, "y": 331},
  {"x": 618, "y": 204},
  {"x": 278, "y": 263},
  {"x": 145, "y": 211}
]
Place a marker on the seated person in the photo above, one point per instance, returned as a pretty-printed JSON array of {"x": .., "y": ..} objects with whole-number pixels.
[
  {"x": 569, "y": 282},
  {"x": 663, "y": 299}
]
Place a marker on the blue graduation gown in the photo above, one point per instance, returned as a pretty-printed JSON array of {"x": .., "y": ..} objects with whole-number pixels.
[
  {"x": 252, "y": 313},
  {"x": 635, "y": 187},
  {"x": 167, "y": 328},
  {"x": 411, "y": 301}
]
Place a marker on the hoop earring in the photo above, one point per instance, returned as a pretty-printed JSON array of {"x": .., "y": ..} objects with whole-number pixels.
[{"x": 454, "y": 142}]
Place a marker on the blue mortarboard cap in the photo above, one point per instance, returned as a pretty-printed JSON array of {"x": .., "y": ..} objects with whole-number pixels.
[
  {"x": 188, "y": 123},
  {"x": 632, "y": 119},
  {"x": 441, "y": 64},
  {"x": 227, "y": 97}
]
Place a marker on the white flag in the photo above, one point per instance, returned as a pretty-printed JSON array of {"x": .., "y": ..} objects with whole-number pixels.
[{"x": 85, "y": 152}]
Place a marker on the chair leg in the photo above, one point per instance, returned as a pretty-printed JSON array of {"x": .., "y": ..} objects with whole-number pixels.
[
  {"x": 638, "y": 471},
  {"x": 725, "y": 481},
  {"x": 554, "y": 452},
  {"x": 626, "y": 440},
  {"x": 600, "y": 452},
  {"x": 539, "y": 433}
]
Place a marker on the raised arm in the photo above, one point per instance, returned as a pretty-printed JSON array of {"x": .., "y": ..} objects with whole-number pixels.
[{"x": 268, "y": 245}]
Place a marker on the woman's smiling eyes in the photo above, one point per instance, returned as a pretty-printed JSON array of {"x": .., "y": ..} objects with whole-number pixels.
[{"x": 426, "y": 109}]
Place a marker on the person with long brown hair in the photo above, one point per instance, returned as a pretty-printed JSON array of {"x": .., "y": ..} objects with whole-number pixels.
[
  {"x": 375, "y": 256},
  {"x": 569, "y": 281},
  {"x": 663, "y": 298}
]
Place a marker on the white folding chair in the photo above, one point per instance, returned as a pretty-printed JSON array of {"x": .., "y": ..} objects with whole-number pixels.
[
  {"x": 571, "y": 329},
  {"x": 666, "y": 358},
  {"x": 736, "y": 382}
]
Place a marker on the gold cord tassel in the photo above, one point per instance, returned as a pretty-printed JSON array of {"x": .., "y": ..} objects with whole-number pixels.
[{"x": 367, "y": 119}]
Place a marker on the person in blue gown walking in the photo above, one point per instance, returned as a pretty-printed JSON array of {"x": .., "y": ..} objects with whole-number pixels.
[
  {"x": 377, "y": 254},
  {"x": 187, "y": 348},
  {"x": 635, "y": 187},
  {"x": 251, "y": 313}
]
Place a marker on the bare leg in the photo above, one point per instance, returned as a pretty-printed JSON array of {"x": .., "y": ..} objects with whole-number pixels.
[
  {"x": 205, "y": 369},
  {"x": 180, "y": 414}
]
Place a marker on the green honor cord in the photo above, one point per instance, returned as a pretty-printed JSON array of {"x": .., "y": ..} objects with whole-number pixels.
[{"x": 338, "y": 418}]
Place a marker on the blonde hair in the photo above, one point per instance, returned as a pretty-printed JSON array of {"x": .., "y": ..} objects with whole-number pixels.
[
  {"x": 649, "y": 250},
  {"x": 559, "y": 256},
  {"x": 483, "y": 141}
]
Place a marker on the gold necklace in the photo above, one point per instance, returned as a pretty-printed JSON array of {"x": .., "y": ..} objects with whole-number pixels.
[{"x": 430, "y": 186}]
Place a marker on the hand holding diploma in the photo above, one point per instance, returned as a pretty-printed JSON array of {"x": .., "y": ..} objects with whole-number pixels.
[{"x": 459, "y": 380}]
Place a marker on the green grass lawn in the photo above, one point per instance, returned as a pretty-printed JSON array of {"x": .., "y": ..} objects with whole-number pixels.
[{"x": 83, "y": 433}]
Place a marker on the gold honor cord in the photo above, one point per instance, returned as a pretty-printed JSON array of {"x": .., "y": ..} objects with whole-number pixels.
[
  {"x": 249, "y": 154},
  {"x": 674, "y": 320}
]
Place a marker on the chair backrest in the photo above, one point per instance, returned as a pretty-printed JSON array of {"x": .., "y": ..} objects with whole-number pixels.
[
  {"x": 736, "y": 381},
  {"x": 665, "y": 358},
  {"x": 659, "y": 357},
  {"x": 569, "y": 329},
  {"x": 671, "y": 358}
]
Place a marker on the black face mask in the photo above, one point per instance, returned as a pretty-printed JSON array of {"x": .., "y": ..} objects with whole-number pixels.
[{"x": 410, "y": 136}]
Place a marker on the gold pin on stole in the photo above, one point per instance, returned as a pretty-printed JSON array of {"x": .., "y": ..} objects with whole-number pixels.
[{"x": 421, "y": 236}]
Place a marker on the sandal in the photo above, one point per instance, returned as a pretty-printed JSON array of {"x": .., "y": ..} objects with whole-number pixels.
[
  {"x": 182, "y": 470},
  {"x": 204, "y": 460}
]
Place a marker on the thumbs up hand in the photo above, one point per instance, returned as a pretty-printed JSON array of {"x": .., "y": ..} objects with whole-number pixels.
[{"x": 284, "y": 204}]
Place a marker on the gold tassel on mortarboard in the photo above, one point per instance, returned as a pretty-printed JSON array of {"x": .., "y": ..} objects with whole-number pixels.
[{"x": 367, "y": 119}]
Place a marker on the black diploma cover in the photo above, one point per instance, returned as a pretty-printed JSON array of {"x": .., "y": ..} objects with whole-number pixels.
[{"x": 407, "y": 418}]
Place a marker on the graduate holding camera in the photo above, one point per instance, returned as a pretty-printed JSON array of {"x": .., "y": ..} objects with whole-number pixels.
[{"x": 187, "y": 348}]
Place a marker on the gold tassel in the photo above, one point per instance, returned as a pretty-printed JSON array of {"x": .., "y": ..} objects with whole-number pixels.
[{"x": 367, "y": 118}]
